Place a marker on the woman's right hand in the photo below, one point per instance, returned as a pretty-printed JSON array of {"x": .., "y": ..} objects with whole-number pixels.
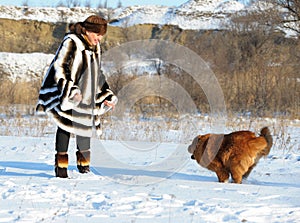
[
  {"x": 77, "y": 97},
  {"x": 109, "y": 104}
]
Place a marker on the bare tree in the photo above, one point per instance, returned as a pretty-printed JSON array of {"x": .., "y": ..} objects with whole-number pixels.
[
  {"x": 25, "y": 3},
  {"x": 88, "y": 4},
  {"x": 249, "y": 37},
  {"x": 100, "y": 5},
  {"x": 119, "y": 4},
  {"x": 291, "y": 19},
  {"x": 72, "y": 3},
  {"x": 60, "y": 4}
]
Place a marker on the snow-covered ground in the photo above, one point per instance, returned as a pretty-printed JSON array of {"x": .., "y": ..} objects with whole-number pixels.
[{"x": 141, "y": 181}]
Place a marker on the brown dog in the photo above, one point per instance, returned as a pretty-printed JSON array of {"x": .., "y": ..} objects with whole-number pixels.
[{"x": 234, "y": 154}]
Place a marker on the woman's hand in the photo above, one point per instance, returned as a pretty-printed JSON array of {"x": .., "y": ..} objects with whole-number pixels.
[
  {"x": 77, "y": 97},
  {"x": 109, "y": 104}
]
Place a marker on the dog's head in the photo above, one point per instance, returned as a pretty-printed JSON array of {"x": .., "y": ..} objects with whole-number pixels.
[
  {"x": 199, "y": 142},
  {"x": 192, "y": 147}
]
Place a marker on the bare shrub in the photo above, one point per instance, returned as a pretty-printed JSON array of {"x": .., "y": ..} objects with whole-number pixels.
[{"x": 18, "y": 92}]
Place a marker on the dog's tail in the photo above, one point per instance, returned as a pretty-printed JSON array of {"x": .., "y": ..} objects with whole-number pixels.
[{"x": 265, "y": 132}]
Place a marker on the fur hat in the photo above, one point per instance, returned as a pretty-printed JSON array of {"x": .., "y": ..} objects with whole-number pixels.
[{"x": 93, "y": 23}]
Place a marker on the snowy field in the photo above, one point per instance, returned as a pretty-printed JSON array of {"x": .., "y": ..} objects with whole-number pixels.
[{"x": 146, "y": 182}]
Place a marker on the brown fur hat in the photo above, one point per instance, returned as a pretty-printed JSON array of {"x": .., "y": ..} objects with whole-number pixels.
[{"x": 93, "y": 23}]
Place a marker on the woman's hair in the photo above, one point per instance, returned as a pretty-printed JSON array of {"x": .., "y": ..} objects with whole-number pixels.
[{"x": 93, "y": 23}]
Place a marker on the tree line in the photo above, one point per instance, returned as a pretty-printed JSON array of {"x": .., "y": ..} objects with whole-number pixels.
[{"x": 255, "y": 59}]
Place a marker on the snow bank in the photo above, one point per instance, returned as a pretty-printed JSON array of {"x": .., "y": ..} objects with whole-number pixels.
[{"x": 24, "y": 66}]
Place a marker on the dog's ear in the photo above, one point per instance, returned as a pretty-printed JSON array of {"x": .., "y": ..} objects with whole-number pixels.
[
  {"x": 204, "y": 139},
  {"x": 193, "y": 146},
  {"x": 213, "y": 141}
]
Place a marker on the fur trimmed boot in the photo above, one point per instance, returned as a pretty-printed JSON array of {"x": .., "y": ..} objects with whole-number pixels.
[
  {"x": 61, "y": 165},
  {"x": 83, "y": 161}
]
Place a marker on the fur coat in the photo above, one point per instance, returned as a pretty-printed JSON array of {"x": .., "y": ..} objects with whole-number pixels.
[{"x": 75, "y": 69}]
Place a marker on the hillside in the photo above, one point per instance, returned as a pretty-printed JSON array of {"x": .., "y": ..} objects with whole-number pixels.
[
  {"x": 32, "y": 30},
  {"x": 184, "y": 16},
  {"x": 28, "y": 29}
]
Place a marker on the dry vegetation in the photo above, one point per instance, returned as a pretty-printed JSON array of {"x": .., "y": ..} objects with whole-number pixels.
[
  {"x": 258, "y": 67},
  {"x": 256, "y": 64}
]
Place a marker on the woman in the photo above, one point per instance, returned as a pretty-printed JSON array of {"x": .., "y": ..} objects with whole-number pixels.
[{"x": 74, "y": 91}]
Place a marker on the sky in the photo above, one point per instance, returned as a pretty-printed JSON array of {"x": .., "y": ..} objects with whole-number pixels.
[{"x": 94, "y": 3}]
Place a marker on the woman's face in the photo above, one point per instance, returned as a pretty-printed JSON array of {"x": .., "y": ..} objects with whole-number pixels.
[{"x": 93, "y": 38}]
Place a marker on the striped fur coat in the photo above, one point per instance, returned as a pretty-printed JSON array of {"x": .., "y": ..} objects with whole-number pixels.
[{"x": 75, "y": 69}]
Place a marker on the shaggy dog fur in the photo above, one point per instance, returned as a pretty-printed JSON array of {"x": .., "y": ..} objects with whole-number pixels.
[{"x": 234, "y": 154}]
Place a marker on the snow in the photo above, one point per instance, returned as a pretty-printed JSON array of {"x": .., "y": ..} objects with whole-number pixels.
[
  {"x": 19, "y": 66},
  {"x": 202, "y": 5},
  {"x": 48, "y": 14},
  {"x": 143, "y": 182},
  {"x": 230, "y": 7},
  {"x": 136, "y": 178}
]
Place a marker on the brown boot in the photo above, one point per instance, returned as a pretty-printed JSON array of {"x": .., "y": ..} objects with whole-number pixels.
[
  {"x": 61, "y": 165},
  {"x": 83, "y": 161}
]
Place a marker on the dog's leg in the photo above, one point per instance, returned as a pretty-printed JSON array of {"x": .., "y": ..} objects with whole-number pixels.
[
  {"x": 237, "y": 173},
  {"x": 223, "y": 175},
  {"x": 241, "y": 167},
  {"x": 245, "y": 176},
  {"x": 237, "y": 178}
]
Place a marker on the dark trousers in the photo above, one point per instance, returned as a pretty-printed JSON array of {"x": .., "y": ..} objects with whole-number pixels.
[{"x": 63, "y": 139}]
